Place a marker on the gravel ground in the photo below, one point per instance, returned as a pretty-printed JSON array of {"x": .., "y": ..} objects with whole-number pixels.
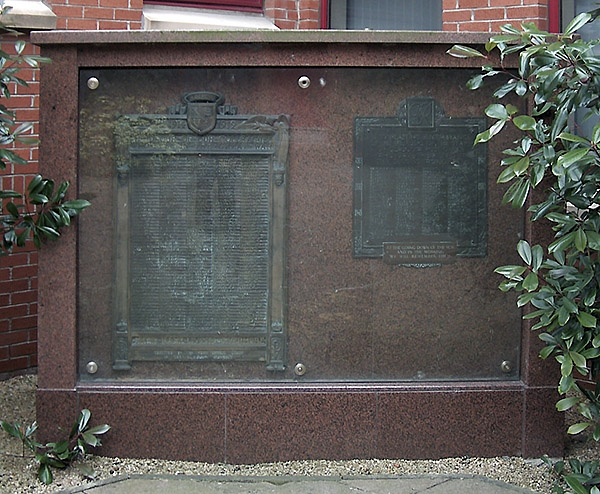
[{"x": 18, "y": 474}]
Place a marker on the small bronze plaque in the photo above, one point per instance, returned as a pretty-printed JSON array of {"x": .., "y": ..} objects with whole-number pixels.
[
  {"x": 200, "y": 235},
  {"x": 417, "y": 253},
  {"x": 419, "y": 180}
]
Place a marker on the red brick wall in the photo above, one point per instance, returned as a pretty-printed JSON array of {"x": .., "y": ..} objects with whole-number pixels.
[
  {"x": 489, "y": 15},
  {"x": 18, "y": 272},
  {"x": 294, "y": 14},
  {"x": 98, "y": 14}
]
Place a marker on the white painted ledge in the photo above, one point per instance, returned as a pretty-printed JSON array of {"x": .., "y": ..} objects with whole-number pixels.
[
  {"x": 28, "y": 14},
  {"x": 163, "y": 17}
]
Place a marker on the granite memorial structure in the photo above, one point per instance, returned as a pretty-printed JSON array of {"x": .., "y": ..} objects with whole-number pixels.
[{"x": 289, "y": 252}]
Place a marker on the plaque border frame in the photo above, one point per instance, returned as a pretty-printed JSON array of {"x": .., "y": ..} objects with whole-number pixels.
[
  {"x": 275, "y": 126},
  {"x": 403, "y": 120}
]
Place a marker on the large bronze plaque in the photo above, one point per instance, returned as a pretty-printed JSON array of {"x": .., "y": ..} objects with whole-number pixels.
[
  {"x": 200, "y": 235},
  {"x": 419, "y": 179}
]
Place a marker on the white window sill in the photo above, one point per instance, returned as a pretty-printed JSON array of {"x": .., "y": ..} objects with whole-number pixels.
[
  {"x": 28, "y": 14},
  {"x": 163, "y": 17}
]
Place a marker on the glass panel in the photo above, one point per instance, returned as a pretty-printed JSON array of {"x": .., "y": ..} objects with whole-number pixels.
[
  {"x": 410, "y": 15},
  {"x": 222, "y": 241}
]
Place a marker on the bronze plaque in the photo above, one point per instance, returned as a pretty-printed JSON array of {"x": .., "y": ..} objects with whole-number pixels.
[
  {"x": 418, "y": 180},
  {"x": 200, "y": 235}
]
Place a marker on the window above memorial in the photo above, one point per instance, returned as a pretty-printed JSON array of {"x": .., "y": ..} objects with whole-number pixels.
[
  {"x": 210, "y": 15},
  {"x": 405, "y": 15},
  {"x": 255, "y": 6}
]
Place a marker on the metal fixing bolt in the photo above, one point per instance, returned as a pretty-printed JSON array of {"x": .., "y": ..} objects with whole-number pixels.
[
  {"x": 300, "y": 369},
  {"x": 91, "y": 367},
  {"x": 506, "y": 366},
  {"x": 303, "y": 82},
  {"x": 93, "y": 83}
]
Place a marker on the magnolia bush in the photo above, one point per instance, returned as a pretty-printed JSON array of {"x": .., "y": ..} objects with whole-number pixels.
[{"x": 557, "y": 153}]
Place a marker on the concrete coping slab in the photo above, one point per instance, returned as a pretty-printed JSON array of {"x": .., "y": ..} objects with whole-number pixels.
[{"x": 257, "y": 36}]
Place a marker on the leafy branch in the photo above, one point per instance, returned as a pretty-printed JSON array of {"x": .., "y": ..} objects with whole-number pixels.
[
  {"x": 41, "y": 211},
  {"x": 560, "y": 283},
  {"x": 59, "y": 454}
]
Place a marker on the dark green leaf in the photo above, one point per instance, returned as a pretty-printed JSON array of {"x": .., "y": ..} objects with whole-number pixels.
[
  {"x": 475, "y": 82},
  {"x": 547, "y": 351},
  {"x": 524, "y": 250},
  {"x": 44, "y": 474},
  {"x": 578, "y": 359},
  {"x": 524, "y": 122},
  {"x": 562, "y": 243},
  {"x": 23, "y": 236},
  {"x": 586, "y": 320},
  {"x": 83, "y": 420},
  {"x": 521, "y": 88},
  {"x": 76, "y": 204},
  {"x": 570, "y": 305},
  {"x": 559, "y": 123},
  {"x": 38, "y": 199},
  {"x": 56, "y": 463},
  {"x": 9, "y": 194},
  {"x": 577, "y": 23},
  {"x": 574, "y": 484},
  {"x": 517, "y": 193},
  {"x": 60, "y": 446},
  {"x": 565, "y": 136},
  {"x": 593, "y": 240},
  {"x": 504, "y": 38},
  {"x": 580, "y": 240},
  {"x": 34, "y": 184},
  {"x": 511, "y": 272},
  {"x": 531, "y": 282},
  {"x": 506, "y": 175},
  {"x": 484, "y": 136},
  {"x": 461, "y": 51},
  {"x": 497, "y": 111},
  {"x": 60, "y": 192},
  {"x": 563, "y": 317},
  {"x": 521, "y": 166},
  {"x": 567, "y": 403},
  {"x": 565, "y": 384},
  {"x": 48, "y": 232},
  {"x": 573, "y": 156},
  {"x": 90, "y": 438},
  {"x": 10, "y": 429},
  {"x": 537, "y": 256},
  {"x": 12, "y": 209},
  {"x": 99, "y": 429},
  {"x": 566, "y": 366},
  {"x": 577, "y": 428}
]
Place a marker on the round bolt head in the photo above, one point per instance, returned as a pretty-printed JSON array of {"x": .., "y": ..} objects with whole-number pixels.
[
  {"x": 300, "y": 369},
  {"x": 93, "y": 83},
  {"x": 303, "y": 82},
  {"x": 506, "y": 366},
  {"x": 91, "y": 367}
]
